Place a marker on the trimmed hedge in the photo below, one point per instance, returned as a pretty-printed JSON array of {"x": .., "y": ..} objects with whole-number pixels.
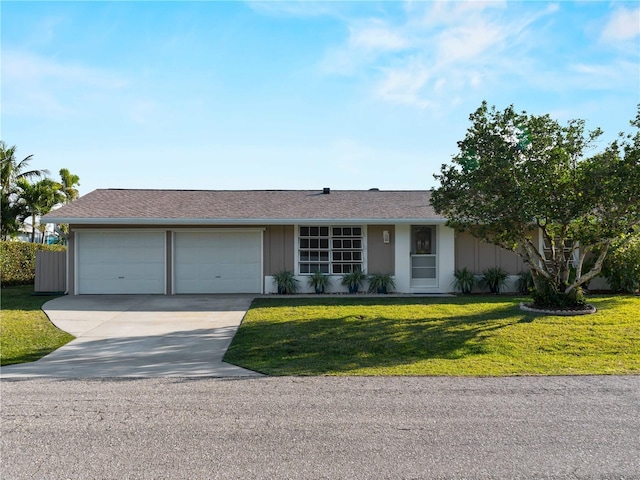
[{"x": 18, "y": 261}]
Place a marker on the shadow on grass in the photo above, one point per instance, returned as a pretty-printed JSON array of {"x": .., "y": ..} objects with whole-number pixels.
[
  {"x": 381, "y": 300},
  {"x": 22, "y": 297},
  {"x": 612, "y": 300},
  {"x": 323, "y": 346},
  {"x": 30, "y": 356}
]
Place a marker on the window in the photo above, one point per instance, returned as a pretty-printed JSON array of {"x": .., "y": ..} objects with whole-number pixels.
[
  {"x": 567, "y": 252},
  {"x": 423, "y": 240},
  {"x": 330, "y": 250}
]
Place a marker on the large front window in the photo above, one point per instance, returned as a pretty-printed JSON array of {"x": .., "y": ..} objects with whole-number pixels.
[{"x": 330, "y": 250}]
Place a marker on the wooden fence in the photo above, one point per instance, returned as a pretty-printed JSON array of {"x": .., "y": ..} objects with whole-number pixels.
[{"x": 51, "y": 272}]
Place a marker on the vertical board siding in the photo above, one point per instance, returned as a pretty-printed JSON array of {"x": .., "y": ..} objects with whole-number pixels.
[
  {"x": 51, "y": 272},
  {"x": 478, "y": 256},
  {"x": 380, "y": 255},
  {"x": 279, "y": 250}
]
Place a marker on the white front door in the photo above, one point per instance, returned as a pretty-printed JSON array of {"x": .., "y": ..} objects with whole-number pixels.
[
  {"x": 225, "y": 261},
  {"x": 113, "y": 262}
]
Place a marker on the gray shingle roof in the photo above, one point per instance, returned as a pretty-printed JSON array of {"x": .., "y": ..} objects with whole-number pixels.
[{"x": 243, "y": 206}]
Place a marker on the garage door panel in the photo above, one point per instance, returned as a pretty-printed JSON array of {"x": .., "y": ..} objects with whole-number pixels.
[
  {"x": 121, "y": 262},
  {"x": 218, "y": 262}
]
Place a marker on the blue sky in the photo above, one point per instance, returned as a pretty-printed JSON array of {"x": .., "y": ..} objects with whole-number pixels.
[{"x": 288, "y": 95}]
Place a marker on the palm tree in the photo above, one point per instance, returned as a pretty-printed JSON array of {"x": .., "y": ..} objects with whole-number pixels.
[
  {"x": 38, "y": 199},
  {"x": 69, "y": 181},
  {"x": 11, "y": 214},
  {"x": 12, "y": 170}
]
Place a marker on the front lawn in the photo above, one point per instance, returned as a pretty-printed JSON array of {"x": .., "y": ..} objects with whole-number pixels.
[
  {"x": 26, "y": 334},
  {"x": 486, "y": 335}
]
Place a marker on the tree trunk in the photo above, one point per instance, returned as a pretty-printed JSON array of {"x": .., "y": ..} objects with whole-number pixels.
[{"x": 33, "y": 228}]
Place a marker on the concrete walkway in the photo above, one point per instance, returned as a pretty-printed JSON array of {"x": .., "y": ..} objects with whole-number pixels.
[{"x": 141, "y": 336}]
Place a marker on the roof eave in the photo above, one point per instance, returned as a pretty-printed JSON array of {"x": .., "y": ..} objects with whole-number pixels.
[{"x": 234, "y": 221}]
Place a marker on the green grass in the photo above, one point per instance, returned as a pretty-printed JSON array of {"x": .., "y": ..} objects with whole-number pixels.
[
  {"x": 26, "y": 334},
  {"x": 486, "y": 335}
]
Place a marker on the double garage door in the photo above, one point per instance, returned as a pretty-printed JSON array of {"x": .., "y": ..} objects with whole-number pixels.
[{"x": 139, "y": 262}]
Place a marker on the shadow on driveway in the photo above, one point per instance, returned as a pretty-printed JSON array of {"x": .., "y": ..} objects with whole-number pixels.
[{"x": 141, "y": 336}]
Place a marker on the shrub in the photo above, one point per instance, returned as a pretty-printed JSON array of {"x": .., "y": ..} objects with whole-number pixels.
[
  {"x": 495, "y": 278},
  {"x": 353, "y": 280},
  {"x": 621, "y": 267},
  {"x": 547, "y": 297},
  {"x": 18, "y": 261},
  {"x": 319, "y": 281},
  {"x": 525, "y": 281},
  {"x": 381, "y": 282},
  {"x": 464, "y": 280},
  {"x": 286, "y": 282}
]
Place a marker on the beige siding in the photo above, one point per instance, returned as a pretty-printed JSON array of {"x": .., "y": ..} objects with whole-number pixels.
[
  {"x": 279, "y": 251},
  {"x": 478, "y": 256},
  {"x": 380, "y": 255},
  {"x": 51, "y": 271},
  {"x": 466, "y": 252}
]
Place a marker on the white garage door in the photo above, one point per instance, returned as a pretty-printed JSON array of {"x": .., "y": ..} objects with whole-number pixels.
[
  {"x": 112, "y": 262},
  {"x": 218, "y": 262}
]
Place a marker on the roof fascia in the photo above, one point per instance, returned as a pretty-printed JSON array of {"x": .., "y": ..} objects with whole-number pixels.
[{"x": 235, "y": 221}]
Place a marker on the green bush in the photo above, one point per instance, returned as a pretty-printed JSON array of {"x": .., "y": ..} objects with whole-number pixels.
[
  {"x": 525, "y": 282},
  {"x": 464, "y": 280},
  {"x": 286, "y": 282},
  {"x": 18, "y": 261},
  {"x": 381, "y": 283},
  {"x": 495, "y": 278},
  {"x": 621, "y": 266},
  {"x": 547, "y": 297}
]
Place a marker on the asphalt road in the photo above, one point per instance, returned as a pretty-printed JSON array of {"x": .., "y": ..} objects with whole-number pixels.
[{"x": 338, "y": 428}]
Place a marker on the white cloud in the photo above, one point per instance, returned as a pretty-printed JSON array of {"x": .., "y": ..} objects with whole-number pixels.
[
  {"x": 441, "y": 13},
  {"x": 468, "y": 42},
  {"x": 38, "y": 86},
  {"x": 27, "y": 67},
  {"x": 623, "y": 25},
  {"x": 376, "y": 35},
  {"x": 438, "y": 51},
  {"x": 404, "y": 85},
  {"x": 368, "y": 40},
  {"x": 296, "y": 9}
]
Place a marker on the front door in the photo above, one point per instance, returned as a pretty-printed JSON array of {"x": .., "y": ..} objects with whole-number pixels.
[{"x": 424, "y": 260}]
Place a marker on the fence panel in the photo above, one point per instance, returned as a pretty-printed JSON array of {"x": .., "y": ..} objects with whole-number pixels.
[{"x": 51, "y": 272}]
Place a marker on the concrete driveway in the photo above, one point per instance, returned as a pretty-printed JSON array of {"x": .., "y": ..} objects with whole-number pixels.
[{"x": 141, "y": 336}]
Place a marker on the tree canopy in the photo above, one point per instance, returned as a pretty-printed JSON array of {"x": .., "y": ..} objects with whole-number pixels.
[
  {"x": 38, "y": 199},
  {"x": 29, "y": 193},
  {"x": 518, "y": 174}
]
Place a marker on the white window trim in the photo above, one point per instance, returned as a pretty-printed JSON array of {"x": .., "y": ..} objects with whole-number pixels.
[{"x": 296, "y": 240}]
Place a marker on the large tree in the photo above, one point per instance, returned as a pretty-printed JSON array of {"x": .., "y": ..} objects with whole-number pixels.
[{"x": 518, "y": 174}]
